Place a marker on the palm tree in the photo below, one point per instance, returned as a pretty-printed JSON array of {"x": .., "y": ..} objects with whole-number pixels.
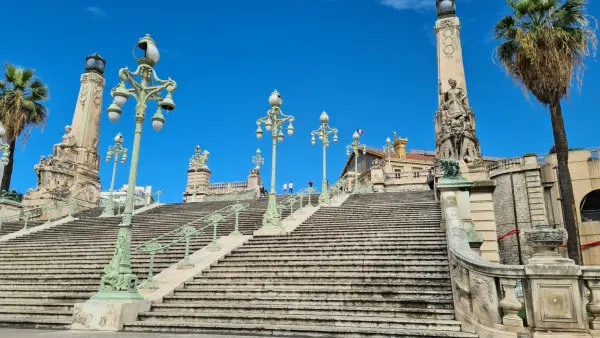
[
  {"x": 20, "y": 110},
  {"x": 543, "y": 43}
]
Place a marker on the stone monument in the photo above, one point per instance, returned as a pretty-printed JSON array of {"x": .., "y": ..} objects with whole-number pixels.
[
  {"x": 455, "y": 126},
  {"x": 198, "y": 177},
  {"x": 70, "y": 173}
]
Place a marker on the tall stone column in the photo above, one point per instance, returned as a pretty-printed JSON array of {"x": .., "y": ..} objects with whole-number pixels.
[
  {"x": 455, "y": 126},
  {"x": 198, "y": 177},
  {"x": 70, "y": 173}
]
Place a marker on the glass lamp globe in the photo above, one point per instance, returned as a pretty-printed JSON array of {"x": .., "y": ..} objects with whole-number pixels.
[
  {"x": 157, "y": 125},
  {"x": 290, "y": 130},
  {"x": 113, "y": 116},
  {"x": 148, "y": 45},
  {"x": 324, "y": 117},
  {"x": 275, "y": 99},
  {"x": 446, "y": 5}
]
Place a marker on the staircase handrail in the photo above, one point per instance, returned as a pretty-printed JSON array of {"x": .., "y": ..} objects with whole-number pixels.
[
  {"x": 28, "y": 214},
  {"x": 185, "y": 233},
  {"x": 334, "y": 189}
]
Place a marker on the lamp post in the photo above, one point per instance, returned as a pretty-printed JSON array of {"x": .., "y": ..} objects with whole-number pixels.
[
  {"x": 355, "y": 147},
  {"x": 118, "y": 281},
  {"x": 257, "y": 159},
  {"x": 388, "y": 149},
  {"x": 114, "y": 151},
  {"x": 198, "y": 161},
  {"x": 323, "y": 132},
  {"x": 274, "y": 123}
]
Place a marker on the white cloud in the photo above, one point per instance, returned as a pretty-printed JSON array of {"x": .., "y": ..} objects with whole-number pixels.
[
  {"x": 409, "y": 4},
  {"x": 96, "y": 12}
]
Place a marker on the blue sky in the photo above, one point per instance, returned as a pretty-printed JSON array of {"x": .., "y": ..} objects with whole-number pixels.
[{"x": 371, "y": 65}]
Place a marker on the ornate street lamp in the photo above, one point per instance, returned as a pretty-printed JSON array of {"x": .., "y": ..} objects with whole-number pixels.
[
  {"x": 274, "y": 123},
  {"x": 355, "y": 147},
  {"x": 258, "y": 159},
  {"x": 4, "y": 146},
  {"x": 114, "y": 151},
  {"x": 197, "y": 162},
  {"x": 118, "y": 281},
  {"x": 323, "y": 133}
]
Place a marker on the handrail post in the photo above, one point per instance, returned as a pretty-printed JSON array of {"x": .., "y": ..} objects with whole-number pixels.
[
  {"x": 26, "y": 220},
  {"x": 149, "y": 283},
  {"x": 291, "y": 216},
  {"x": 213, "y": 245},
  {"x": 309, "y": 193},
  {"x": 186, "y": 256},
  {"x": 236, "y": 230}
]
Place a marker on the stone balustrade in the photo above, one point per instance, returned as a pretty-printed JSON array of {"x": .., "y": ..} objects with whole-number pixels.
[
  {"x": 487, "y": 295},
  {"x": 227, "y": 187}
]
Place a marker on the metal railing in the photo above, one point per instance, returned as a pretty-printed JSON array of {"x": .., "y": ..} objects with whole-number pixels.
[
  {"x": 184, "y": 234},
  {"x": 232, "y": 196},
  {"x": 363, "y": 188},
  {"x": 337, "y": 188},
  {"x": 29, "y": 214}
]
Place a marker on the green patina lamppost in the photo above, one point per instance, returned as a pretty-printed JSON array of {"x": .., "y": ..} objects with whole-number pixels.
[
  {"x": 274, "y": 123},
  {"x": 323, "y": 132},
  {"x": 114, "y": 152},
  {"x": 355, "y": 147},
  {"x": 257, "y": 159},
  {"x": 118, "y": 281}
]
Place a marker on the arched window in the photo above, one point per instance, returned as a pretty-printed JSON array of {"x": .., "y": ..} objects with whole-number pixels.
[{"x": 590, "y": 207}]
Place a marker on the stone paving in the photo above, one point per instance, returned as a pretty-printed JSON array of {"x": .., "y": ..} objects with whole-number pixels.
[{"x": 27, "y": 333}]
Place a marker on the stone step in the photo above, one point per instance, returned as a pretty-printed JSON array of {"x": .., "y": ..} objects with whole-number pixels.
[
  {"x": 333, "y": 263},
  {"x": 9, "y": 321},
  {"x": 427, "y": 279},
  {"x": 305, "y": 319},
  {"x": 219, "y": 268},
  {"x": 309, "y": 291},
  {"x": 313, "y": 309},
  {"x": 333, "y": 243},
  {"x": 424, "y": 258},
  {"x": 429, "y": 285},
  {"x": 51, "y": 314},
  {"x": 417, "y": 254},
  {"x": 389, "y": 249},
  {"x": 408, "y": 300},
  {"x": 285, "y": 330},
  {"x": 25, "y": 305}
]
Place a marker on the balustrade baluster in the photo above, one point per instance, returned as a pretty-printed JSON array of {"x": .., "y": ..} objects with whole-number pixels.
[
  {"x": 510, "y": 303},
  {"x": 594, "y": 305}
]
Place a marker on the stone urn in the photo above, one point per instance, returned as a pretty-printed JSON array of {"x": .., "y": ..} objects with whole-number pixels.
[{"x": 545, "y": 240}]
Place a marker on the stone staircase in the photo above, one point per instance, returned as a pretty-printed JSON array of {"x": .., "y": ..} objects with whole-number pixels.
[
  {"x": 375, "y": 267},
  {"x": 42, "y": 275}
]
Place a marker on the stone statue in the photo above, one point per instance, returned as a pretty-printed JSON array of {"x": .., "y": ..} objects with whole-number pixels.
[
  {"x": 457, "y": 136},
  {"x": 450, "y": 168},
  {"x": 67, "y": 143}
]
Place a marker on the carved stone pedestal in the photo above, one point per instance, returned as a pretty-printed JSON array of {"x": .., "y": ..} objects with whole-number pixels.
[
  {"x": 71, "y": 172},
  {"x": 9, "y": 208},
  {"x": 377, "y": 177},
  {"x": 555, "y": 307}
]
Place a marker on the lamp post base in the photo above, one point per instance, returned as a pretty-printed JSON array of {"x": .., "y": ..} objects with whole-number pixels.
[
  {"x": 271, "y": 216},
  {"x": 324, "y": 198},
  {"x": 117, "y": 295},
  {"x": 109, "y": 209}
]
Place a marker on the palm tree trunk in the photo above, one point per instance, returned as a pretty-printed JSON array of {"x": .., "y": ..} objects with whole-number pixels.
[
  {"x": 564, "y": 182},
  {"x": 8, "y": 169}
]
